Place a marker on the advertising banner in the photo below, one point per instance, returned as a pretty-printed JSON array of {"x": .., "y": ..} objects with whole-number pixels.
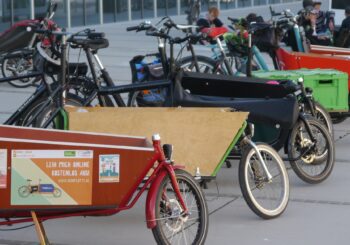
[
  {"x": 51, "y": 177},
  {"x": 3, "y": 168}
]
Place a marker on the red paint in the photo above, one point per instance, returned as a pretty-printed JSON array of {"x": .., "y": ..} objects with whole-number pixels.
[
  {"x": 295, "y": 60},
  {"x": 161, "y": 169},
  {"x": 214, "y": 32}
]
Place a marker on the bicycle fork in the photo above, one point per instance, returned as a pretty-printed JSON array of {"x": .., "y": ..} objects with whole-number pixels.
[{"x": 261, "y": 160}]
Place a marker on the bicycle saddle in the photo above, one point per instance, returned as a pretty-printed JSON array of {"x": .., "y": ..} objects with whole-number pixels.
[{"x": 94, "y": 44}]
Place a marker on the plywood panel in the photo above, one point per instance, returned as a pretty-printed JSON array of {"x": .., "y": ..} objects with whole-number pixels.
[{"x": 200, "y": 136}]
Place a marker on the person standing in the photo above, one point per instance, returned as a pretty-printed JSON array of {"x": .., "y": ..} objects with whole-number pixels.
[{"x": 346, "y": 22}]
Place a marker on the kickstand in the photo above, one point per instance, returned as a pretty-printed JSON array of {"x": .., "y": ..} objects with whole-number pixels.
[{"x": 40, "y": 231}]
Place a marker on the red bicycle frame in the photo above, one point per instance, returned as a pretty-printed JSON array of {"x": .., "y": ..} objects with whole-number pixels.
[{"x": 162, "y": 168}]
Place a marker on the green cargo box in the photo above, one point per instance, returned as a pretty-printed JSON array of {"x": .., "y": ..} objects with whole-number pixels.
[{"x": 330, "y": 87}]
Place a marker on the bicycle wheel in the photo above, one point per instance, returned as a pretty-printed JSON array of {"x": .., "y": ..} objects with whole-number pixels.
[
  {"x": 172, "y": 227},
  {"x": 57, "y": 192},
  {"x": 23, "y": 191},
  {"x": 72, "y": 100},
  {"x": 323, "y": 116},
  {"x": 17, "y": 64},
  {"x": 266, "y": 198},
  {"x": 205, "y": 64},
  {"x": 316, "y": 165}
]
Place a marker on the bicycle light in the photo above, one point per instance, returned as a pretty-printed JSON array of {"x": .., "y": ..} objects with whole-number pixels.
[{"x": 168, "y": 151}]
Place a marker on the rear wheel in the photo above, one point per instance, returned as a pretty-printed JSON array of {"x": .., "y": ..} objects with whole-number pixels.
[
  {"x": 24, "y": 191},
  {"x": 16, "y": 64},
  {"x": 57, "y": 123},
  {"x": 316, "y": 162},
  {"x": 323, "y": 116},
  {"x": 266, "y": 198},
  {"x": 173, "y": 227}
]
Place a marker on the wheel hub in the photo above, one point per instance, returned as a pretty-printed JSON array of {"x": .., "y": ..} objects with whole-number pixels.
[
  {"x": 310, "y": 157},
  {"x": 177, "y": 220}
]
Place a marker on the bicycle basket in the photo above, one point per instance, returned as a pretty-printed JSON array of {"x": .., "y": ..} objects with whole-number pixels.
[
  {"x": 143, "y": 71},
  {"x": 265, "y": 38}
]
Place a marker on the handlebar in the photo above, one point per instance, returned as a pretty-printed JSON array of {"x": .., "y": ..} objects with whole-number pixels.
[
  {"x": 233, "y": 20},
  {"x": 132, "y": 28}
]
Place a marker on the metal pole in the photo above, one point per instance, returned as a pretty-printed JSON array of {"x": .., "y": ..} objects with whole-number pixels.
[
  {"x": 178, "y": 7},
  {"x": 129, "y": 9},
  {"x": 218, "y": 4},
  {"x": 155, "y": 8},
  {"x": 84, "y": 13},
  {"x": 101, "y": 11},
  {"x": 69, "y": 21},
  {"x": 32, "y": 7},
  {"x": 12, "y": 13}
]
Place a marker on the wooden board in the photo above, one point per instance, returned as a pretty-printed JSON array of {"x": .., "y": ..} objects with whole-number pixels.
[{"x": 200, "y": 136}]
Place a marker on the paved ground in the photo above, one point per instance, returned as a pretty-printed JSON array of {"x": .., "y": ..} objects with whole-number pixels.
[{"x": 317, "y": 214}]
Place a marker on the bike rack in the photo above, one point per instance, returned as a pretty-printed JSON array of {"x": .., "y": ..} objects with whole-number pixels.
[{"x": 40, "y": 230}]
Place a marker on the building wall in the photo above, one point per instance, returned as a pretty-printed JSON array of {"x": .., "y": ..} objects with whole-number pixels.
[{"x": 90, "y": 12}]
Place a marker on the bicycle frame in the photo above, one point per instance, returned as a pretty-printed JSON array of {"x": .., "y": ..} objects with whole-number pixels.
[{"x": 162, "y": 168}]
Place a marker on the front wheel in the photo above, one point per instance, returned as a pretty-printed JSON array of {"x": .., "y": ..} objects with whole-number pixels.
[
  {"x": 266, "y": 198},
  {"x": 312, "y": 161},
  {"x": 205, "y": 64},
  {"x": 173, "y": 227},
  {"x": 24, "y": 191},
  {"x": 57, "y": 192}
]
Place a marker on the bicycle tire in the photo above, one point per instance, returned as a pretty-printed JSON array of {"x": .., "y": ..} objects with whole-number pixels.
[
  {"x": 257, "y": 204},
  {"x": 72, "y": 100},
  {"x": 14, "y": 56},
  {"x": 308, "y": 161},
  {"x": 172, "y": 204}
]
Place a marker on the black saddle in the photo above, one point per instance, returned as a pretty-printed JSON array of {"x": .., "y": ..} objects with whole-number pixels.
[{"x": 94, "y": 44}]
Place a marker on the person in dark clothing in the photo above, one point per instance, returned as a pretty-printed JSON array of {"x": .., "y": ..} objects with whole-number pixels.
[
  {"x": 346, "y": 21},
  {"x": 309, "y": 25},
  {"x": 211, "y": 19},
  {"x": 323, "y": 20}
]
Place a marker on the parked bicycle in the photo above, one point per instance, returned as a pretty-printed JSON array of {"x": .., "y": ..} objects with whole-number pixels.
[
  {"x": 18, "y": 46},
  {"x": 312, "y": 158},
  {"x": 26, "y": 190}
]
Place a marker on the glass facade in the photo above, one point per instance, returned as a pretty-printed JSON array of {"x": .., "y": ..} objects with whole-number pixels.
[
  {"x": 88, "y": 12},
  {"x": 166, "y": 7},
  {"x": 259, "y": 2},
  {"x": 228, "y": 4},
  {"x": 244, "y": 3},
  {"x": 142, "y": 9}
]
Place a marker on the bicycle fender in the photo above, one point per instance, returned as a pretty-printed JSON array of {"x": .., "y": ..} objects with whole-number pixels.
[{"x": 152, "y": 197}]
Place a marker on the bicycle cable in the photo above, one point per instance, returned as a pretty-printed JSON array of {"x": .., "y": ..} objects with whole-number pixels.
[{"x": 18, "y": 228}]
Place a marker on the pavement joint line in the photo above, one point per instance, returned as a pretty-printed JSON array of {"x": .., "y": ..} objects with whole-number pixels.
[
  {"x": 222, "y": 206},
  {"x": 342, "y": 137}
]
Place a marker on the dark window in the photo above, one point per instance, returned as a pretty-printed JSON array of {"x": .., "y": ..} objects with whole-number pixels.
[
  {"x": 339, "y": 4},
  {"x": 141, "y": 9},
  {"x": 166, "y": 7}
]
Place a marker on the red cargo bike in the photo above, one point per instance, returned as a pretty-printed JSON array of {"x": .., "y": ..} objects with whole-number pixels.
[{"x": 98, "y": 175}]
